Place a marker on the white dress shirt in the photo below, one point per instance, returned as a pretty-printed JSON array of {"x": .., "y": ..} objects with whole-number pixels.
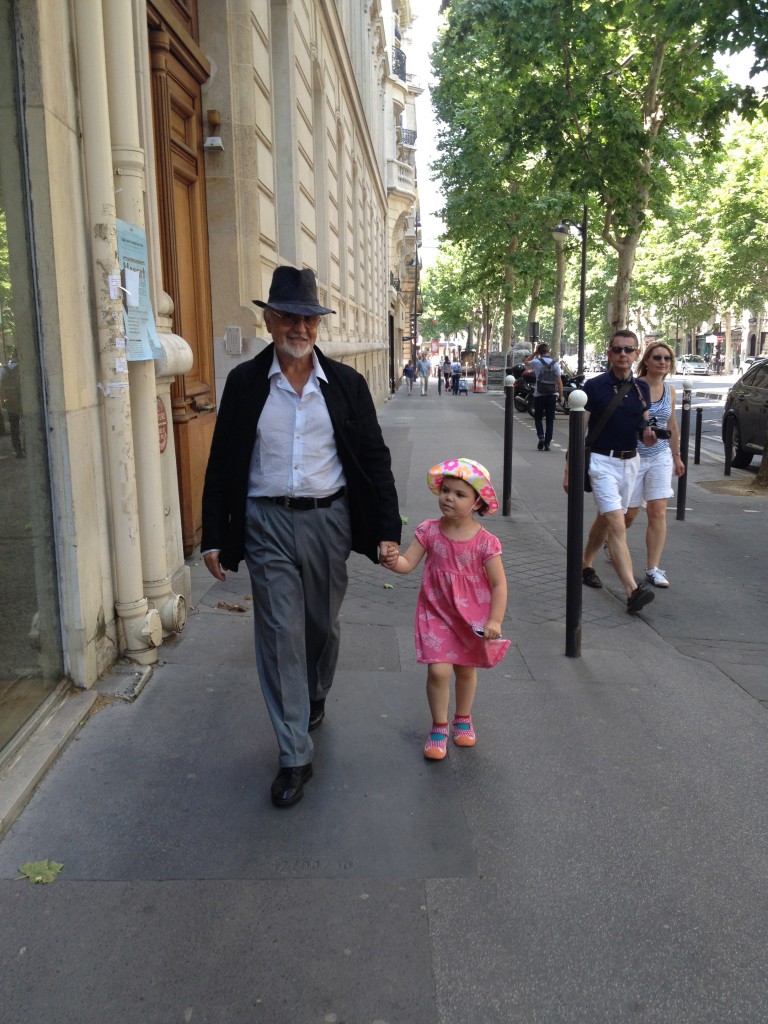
[{"x": 295, "y": 451}]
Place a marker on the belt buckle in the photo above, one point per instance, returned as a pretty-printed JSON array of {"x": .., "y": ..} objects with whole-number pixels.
[{"x": 287, "y": 501}]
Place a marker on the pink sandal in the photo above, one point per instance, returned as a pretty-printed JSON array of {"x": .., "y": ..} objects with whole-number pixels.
[
  {"x": 463, "y": 732},
  {"x": 436, "y": 746}
]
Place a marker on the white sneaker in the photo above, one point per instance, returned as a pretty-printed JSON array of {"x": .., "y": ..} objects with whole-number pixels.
[
  {"x": 657, "y": 577},
  {"x": 607, "y": 551}
]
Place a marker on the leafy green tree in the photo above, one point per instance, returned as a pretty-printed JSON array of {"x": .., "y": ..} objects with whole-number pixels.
[{"x": 604, "y": 95}]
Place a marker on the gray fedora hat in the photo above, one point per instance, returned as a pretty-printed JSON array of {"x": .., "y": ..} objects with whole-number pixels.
[{"x": 293, "y": 291}]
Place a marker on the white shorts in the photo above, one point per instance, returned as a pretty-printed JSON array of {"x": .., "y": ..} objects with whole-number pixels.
[
  {"x": 654, "y": 479},
  {"x": 613, "y": 481}
]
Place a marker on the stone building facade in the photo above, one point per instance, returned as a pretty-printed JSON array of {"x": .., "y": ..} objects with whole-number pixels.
[{"x": 166, "y": 156}]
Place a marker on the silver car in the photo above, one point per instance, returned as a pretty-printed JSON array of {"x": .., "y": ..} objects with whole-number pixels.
[{"x": 692, "y": 364}]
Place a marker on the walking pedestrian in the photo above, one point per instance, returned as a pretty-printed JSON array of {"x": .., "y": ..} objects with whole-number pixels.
[
  {"x": 455, "y": 375},
  {"x": 462, "y": 600},
  {"x": 548, "y": 390},
  {"x": 425, "y": 369},
  {"x": 446, "y": 371},
  {"x": 297, "y": 475},
  {"x": 409, "y": 372},
  {"x": 617, "y": 412},
  {"x": 658, "y": 463}
]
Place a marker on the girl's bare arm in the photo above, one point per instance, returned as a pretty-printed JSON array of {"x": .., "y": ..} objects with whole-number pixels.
[
  {"x": 494, "y": 570},
  {"x": 407, "y": 561}
]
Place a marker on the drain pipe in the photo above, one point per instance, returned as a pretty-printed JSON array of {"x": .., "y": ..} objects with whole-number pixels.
[
  {"x": 141, "y": 626},
  {"x": 129, "y": 184}
]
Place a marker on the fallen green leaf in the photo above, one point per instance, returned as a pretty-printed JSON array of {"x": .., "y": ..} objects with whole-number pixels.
[
  {"x": 403, "y": 519},
  {"x": 41, "y": 871},
  {"x": 389, "y": 586}
]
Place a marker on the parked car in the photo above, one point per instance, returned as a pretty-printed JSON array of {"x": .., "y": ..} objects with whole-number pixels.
[
  {"x": 692, "y": 364},
  {"x": 746, "y": 405}
]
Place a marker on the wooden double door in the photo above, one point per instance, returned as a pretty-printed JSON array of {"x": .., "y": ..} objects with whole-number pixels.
[{"x": 178, "y": 72}]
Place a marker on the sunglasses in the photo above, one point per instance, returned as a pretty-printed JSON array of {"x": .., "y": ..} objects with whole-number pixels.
[
  {"x": 292, "y": 319},
  {"x": 662, "y": 359},
  {"x": 616, "y": 349}
]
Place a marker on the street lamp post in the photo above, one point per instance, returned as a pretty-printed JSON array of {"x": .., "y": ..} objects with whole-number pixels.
[{"x": 560, "y": 234}]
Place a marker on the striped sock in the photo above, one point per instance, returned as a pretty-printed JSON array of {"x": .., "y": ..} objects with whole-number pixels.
[
  {"x": 436, "y": 746},
  {"x": 463, "y": 731}
]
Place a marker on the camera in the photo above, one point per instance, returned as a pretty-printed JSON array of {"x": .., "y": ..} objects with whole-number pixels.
[{"x": 661, "y": 432}]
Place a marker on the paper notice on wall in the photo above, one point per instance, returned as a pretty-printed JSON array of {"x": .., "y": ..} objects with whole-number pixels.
[
  {"x": 131, "y": 281},
  {"x": 141, "y": 340}
]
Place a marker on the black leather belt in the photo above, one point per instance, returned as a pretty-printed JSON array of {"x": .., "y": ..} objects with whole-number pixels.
[
  {"x": 305, "y": 504},
  {"x": 615, "y": 454}
]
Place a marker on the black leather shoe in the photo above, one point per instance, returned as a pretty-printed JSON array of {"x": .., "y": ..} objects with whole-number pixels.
[
  {"x": 316, "y": 713},
  {"x": 639, "y": 598},
  {"x": 288, "y": 787}
]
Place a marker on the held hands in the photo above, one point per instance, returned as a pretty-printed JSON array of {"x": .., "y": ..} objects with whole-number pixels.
[{"x": 389, "y": 552}]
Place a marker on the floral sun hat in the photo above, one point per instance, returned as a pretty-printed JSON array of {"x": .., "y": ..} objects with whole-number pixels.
[{"x": 475, "y": 474}]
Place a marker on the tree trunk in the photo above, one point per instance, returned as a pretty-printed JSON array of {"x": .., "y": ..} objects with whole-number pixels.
[
  {"x": 620, "y": 310},
  {"x": 533, "y": 308},
  {"x": 509, "y": 291}
]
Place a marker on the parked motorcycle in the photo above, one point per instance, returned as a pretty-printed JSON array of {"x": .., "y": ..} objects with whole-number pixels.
[{"x": 525, "y": 382}]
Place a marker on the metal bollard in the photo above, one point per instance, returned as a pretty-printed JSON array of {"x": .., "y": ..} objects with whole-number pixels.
[
  {"x": 728, "y": 445},
  {"x": 697, "y": 441},
  {"x": 575, "y": 529},
  {"x": 506, "y": 489},
  {"x": 685, "y": 433}
]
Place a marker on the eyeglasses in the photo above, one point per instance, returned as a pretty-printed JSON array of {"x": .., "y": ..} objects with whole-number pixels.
[
  {"x": 662, "y": 359},
  {"x": 616, "y": 349},
  {"x": 292, "y": 319}
]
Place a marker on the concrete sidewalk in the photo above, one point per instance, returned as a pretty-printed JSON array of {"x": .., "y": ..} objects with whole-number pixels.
[{"x": 599, "y": 856}]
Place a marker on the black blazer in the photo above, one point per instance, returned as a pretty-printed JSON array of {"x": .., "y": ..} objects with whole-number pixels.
[{"x": 373, "y": 504}]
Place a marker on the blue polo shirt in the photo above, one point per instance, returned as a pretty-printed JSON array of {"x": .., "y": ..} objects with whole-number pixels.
[{"x": 621, "y": 431}]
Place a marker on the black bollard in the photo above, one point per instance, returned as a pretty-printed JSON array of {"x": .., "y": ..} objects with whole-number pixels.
[
  {"x": 685, "y": 433},
  {"x": 575, "y": 529},
  {"x": 728, "y": 443},
  {"x": 506, "y": 487},
  {"x": 697, "y": 441}
]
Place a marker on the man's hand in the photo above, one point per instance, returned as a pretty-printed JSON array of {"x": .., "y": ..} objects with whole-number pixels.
[
  {"x": 213, "y": 565},
  {"x": 649, "y": 436},
  {"x": 389, "y": 552}
]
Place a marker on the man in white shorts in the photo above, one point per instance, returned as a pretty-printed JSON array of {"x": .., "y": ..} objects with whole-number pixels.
[{"x": 613, "y": 463}]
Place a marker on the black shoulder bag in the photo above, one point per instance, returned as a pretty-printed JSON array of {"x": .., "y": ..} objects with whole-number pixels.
[{"x": 594, "y": 433}]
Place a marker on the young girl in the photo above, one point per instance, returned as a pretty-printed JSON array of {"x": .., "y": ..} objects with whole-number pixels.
[{"x": 462, "y": 599}]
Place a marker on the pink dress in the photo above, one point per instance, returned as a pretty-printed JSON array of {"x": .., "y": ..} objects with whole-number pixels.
[{"x": 454, "y": 597}]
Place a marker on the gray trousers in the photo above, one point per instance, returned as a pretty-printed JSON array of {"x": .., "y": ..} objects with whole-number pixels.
[{"x": 298, "y": 567}]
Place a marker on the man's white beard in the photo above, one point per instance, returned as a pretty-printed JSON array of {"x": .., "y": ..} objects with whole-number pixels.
[{"x": 295, "y": 349}]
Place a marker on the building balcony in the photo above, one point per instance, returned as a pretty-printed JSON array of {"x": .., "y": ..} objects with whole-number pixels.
[
  {"x": 408, "y": 137},
  {"x": 398, "y": 64},
  {"x": 401, "y": 178}
]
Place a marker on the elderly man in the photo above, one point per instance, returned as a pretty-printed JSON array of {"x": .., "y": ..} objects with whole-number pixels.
[
  {"x": 297, "y": 476},
  {"x": 617, "y": 416}
]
